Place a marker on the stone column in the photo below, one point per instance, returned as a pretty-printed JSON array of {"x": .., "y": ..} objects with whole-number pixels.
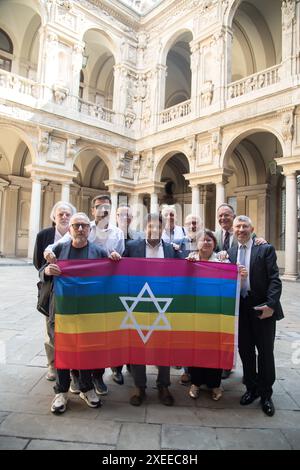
[
  {"x": 65, "y": 192},
  {"x": 154, "y": 203},
  {"x": 195, "y": 71},
  {"x": 136, "y": 205},
  {"x": 9, "y": 211},
  {"x": 159, "y": 93},
  {"x": 220, "y": 197},
  {"x": 196, "y": 200},
  {"x": 114, "y": 206},
  {"x": 35, "y": 214},
  {"x": 291, "y": 230}
]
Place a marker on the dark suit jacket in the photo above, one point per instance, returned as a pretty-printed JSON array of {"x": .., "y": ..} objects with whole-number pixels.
[
  {"x": 137, "y": 249},
  {"x": 264, "y": 277},
  {"x": 44, "y": 238}
]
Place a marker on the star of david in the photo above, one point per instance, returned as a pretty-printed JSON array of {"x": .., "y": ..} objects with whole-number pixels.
[{"x": 160, "y": 323}]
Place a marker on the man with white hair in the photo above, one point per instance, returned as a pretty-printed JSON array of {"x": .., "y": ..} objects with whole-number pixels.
[
  {"x": 171, "y": 231},
  {"x": 60, "y": 215},
  {"x": 78, "y": 247},
  {"x": 259, "y": 309}
]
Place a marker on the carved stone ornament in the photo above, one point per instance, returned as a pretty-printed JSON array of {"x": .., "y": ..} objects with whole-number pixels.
[
  {"x": 43, "y": 143},
  {"x": 60, "y": 93},
  {"x": 127, "y": 170},
  {"x": 288, "y": 9},
  {"x": 67, "y": 4},
  {"x": 216, "y": 144},
  {"x": 287, "y": 128},
  {"x": 129, "y": 119},
  {"x": 207, "y": 93},
  {"x": 71, "y": 150}
]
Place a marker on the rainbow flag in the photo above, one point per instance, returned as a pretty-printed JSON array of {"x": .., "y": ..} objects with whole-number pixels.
[{"x": 145, "y": 311}]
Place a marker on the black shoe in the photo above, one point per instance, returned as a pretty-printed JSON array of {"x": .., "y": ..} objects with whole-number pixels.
[
  {"x": 165, "y": 396},
  {"x": 226, "y": 373},
  {"x": 248, "y": 397},
  {"x": 137, "y": 397},
  {"x": 117, "y": 377},
  {"x": 267, "y": 406}
]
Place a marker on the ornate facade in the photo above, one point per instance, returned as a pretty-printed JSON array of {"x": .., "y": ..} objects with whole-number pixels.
[{"x": 192, "y": 102}]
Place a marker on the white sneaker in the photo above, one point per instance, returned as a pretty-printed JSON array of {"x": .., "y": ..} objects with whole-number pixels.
[
  {"x": 59, "y": 403},
  {"x": 91, "y": 398},
  {"x": 51, "y": 374}
]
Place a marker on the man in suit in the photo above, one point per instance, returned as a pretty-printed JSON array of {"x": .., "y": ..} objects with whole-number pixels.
[
  {"x": 226, "y": 239},
  {"x": 259, "y": 309},
  {"x": 224, "y": 235},
  {"x": 151, "y": 247},
  {"x": 60, "y": 216}
]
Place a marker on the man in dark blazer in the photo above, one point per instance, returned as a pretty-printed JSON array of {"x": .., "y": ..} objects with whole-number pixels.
[
  {"x": 60, "y": 215},
  {"x": 259, "y": 309},
  {"x": 151, "y": 247},
  {"x": 78, "y": 247}
]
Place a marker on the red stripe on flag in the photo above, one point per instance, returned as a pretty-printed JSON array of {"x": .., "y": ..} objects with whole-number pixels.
[
  {"x": 115, "y": 357},
  {"x": 82, "y": 342}
]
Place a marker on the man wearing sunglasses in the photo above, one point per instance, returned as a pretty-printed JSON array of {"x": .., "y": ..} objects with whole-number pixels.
[
  {"x": 77, "y": 247},
  {"x": 111, "y": 239}
]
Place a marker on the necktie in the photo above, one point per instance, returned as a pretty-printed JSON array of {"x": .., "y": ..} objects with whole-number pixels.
[
  {"x": 226, "y": 241},
  {"x": 243, "y": 262}
]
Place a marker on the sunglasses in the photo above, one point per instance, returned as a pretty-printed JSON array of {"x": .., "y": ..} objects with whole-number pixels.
[{"x": 83, "y": 226}]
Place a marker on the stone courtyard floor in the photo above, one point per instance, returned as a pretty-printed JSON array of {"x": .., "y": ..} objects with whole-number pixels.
[{"x": 25, "y": 396}]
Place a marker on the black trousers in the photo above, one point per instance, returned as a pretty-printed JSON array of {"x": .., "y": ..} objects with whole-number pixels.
[
  {"x": 63, "y": 380},
  {"x": 256, "y": 335},
  {"x": 205, "y": 376}
]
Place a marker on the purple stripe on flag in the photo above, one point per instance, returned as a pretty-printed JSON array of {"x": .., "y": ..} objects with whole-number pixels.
[{"x": 140, "y": 266}]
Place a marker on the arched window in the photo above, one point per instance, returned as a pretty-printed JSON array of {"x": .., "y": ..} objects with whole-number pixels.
[{"x": 6, "y": 51}]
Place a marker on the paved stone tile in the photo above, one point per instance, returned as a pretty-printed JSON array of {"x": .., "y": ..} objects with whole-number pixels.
[
  {"x": 252, "y": 439},
  {"x": 60, "y": 428},
  {"x": 12, "y": 443},
  {"x": 293, "y": 437},
  {"x": 248, "y": 418},
  {"x": 14, "y": 377},
  {"x": 282, "y": 401},
  {"x": 38, "y": 444},
  {"x": 296, "y": 396},
  {"x": 13, "y": 402},
  {"x": 115, "y": 411},
  {"x": 189, "y": 438},
  {"x": 139, "y": 436},
  {"x": 3, "y": 416},
  {"x": 171, "y": 415}
]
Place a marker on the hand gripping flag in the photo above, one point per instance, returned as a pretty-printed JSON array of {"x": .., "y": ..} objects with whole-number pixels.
[{"x": 145, "y": 311}]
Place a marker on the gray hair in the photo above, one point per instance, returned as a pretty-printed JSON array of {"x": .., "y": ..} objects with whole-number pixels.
[
  {"x": 61, "y": 204},
  {"x": 243, "y": 218},
  {"x": 79, "y": 214}
]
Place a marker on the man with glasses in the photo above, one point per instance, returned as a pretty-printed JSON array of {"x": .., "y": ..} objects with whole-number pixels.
[
  {"x": 103, "y": 233},
  {"x": 151, "y": 247},
  {"x": 124, "y": 219},
  {"x": 60, "y": 215},
  {"x": 226, "y": 239},
  {"x": 111, "y": 239},
  {"x": 77, "y": 247}
]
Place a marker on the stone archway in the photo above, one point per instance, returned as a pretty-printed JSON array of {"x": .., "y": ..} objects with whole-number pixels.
[
  {"x": 254, "y": 186},
  {"x": 176, "y": 190}
]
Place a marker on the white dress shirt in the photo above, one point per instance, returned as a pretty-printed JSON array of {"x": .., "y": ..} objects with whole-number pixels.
[
  {"x": 110, "y": 239},
  {"x": 176, "y": 234},
  {"x": 154, "y": 252},
  {"x": 248, "y": 245}
]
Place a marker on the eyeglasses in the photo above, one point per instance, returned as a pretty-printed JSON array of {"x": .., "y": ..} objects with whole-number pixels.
[{"x": 83, "y": 226}]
